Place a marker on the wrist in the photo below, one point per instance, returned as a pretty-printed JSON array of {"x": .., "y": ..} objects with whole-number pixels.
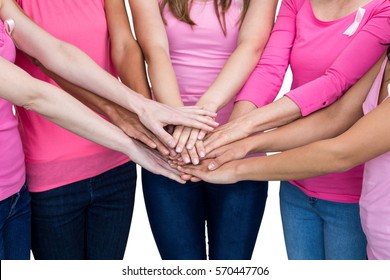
[
  {"x": 208, "y": 105},
  {"x": 239, "y": 170}
]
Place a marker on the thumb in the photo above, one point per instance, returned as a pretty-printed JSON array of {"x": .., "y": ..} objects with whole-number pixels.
[
  {"x": 165, "y": 137},
  {"x": 220, "y": 160}
]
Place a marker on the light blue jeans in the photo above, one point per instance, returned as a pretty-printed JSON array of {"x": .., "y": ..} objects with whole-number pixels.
[{"x": 316, "y": 229}]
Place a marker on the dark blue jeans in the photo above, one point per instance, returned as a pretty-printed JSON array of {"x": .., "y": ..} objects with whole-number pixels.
[
  {"x": 178, "y": 214},
  {"x": 15, "y": 225},
  {"x": 89, "y": 219}
]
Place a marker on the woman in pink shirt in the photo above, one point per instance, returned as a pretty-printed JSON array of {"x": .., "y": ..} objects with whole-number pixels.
[
  {"x": 366, "y": 141},
  {"x": 21, "y": 89},
  {"x": 196, "y": 55},
  {"x": 329, "y": 45}
]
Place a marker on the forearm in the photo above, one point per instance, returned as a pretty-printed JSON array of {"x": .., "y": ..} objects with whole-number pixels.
[
  {"x": 76, "y": 67},
  {"x": 309, "y": 161},
  {"x": 54, "y": 104},
  {"x": 323, "y": 124},
  {"x": 163, "y": 77},
  {"x": 275, "y": 114},
  {"x": 91, "y": 100},
  {"x": 130, "y": 66},
  {"x": 231, "y": 78}
]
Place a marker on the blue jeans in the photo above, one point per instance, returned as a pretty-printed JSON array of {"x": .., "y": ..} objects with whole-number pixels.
[
  {"x": 316, "y": 229},
  {"x": 89, "y": 219},
  {"x": 178, "y": 213},
  {"x": 15, "y": 226}
]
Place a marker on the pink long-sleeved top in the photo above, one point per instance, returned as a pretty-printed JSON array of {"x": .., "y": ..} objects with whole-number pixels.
[
  {"x": 12, "y": 170},
  {"x": 54, "y": 156},
  {"x": 375, "y": 198},
  {"x": 325, "y": 60}
]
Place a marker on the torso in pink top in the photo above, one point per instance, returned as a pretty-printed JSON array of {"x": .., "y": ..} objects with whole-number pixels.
[
  {"x": 375, "y": 198},
  {"x": 326, "y": 58},
  {"x": 198, "y": 53},
  {"x": 54, "y": 156},
  {"x": 12, "y": 170}
]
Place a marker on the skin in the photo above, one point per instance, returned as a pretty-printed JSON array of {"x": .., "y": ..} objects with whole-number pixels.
[
  {"x": 283, "y": 110},
  {"x": 151, "y": 34},
  {"x": 343, "y": 121},
  {"x": 72, "y": 64},
  {"x": 76, "y": 67}
]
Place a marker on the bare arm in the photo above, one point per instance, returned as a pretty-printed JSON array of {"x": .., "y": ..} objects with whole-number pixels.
[
  {"x": 126, "y": 54},
  {"x": 365, "y": 140},
  {"x": 76, "y": 67},
  {"x": 54, "y": 104},
  {"x": 327, "y": 123},
  {"x": 150, "y": 31},
  {"x": 253, "y": 36}
]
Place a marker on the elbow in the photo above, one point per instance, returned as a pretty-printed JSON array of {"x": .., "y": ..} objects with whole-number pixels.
[
  {"x": 153, "y": 53},
  {"x": 123, "y": 49},
  {"x": 254, "y": 48},
  {"x": 342, "y": 158}
]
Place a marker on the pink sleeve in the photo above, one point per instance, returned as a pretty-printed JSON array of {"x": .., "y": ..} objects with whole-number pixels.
[
  {"x": 348, "y": 68},
  {"x": 271, "y": 68}
]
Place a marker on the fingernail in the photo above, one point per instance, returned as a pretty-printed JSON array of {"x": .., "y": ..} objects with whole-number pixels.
[
  {"x": 189, "y": 146},
  {"x": 171, "y": 143},
  {"x": 211, "y": 166},
  {"x": 196, "y": 161},
  {"x": 201, "y": 154},
  {"x": 178, "y": 150}
]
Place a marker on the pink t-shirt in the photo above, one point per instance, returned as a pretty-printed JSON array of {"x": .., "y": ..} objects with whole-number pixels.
[
  {"x": 325, "y": 62},
  {"x": 375, "y": 198},
  {"x": 12, "y": 170},
  {"x": 54, "y": 156},
  {"x": 198, "y": 53}
]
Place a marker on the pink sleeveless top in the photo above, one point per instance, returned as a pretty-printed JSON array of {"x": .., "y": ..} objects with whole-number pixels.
[
  {"x": 375, "y": 198},
  {"x": 12, "y": 170},
  {"x": 198, "y": 53},
  {"x": 54, "y": 156}
]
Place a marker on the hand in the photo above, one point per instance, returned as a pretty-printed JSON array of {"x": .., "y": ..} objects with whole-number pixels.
[
  {"x": 156, "y": 116},
  {"x": 230, "y": 132},
  {"x": 153, "y": 162},
  {"x": 132, "y": 126},
  {"x": 224, "y": 154},
  {"x": 189, "y": 153},
  {"x": 195, "y": 173}
]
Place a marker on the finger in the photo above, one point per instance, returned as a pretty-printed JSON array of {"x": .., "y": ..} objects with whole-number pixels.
[
  {"x": 218, "y": 161},
  {"x": 185, "y": 156},
  {"x": 183, "y": 139},
  {"x": 215, "y": 141},
  {"x": 173, "y": 176},
  {"x": 159, "y": 145},
  {"x": 177, "y": 133},
  {"x": 199, "y": 122},
  {"x": 201, "y": 135},
  {"x": 198, "y": 111},
  {"x": 164, "y": 136},
  {"x": 146, "y": 140},
  {"x": 195, "y": 172},
  {"x": 192, "y": 138},
  {"x": 194, "y": 156},
  {"x": 195, "y": 179},
  {"x": 200, "y": 149},
  {"x": 215, "y": 153},
  {"x": 186, "y": 177}
]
